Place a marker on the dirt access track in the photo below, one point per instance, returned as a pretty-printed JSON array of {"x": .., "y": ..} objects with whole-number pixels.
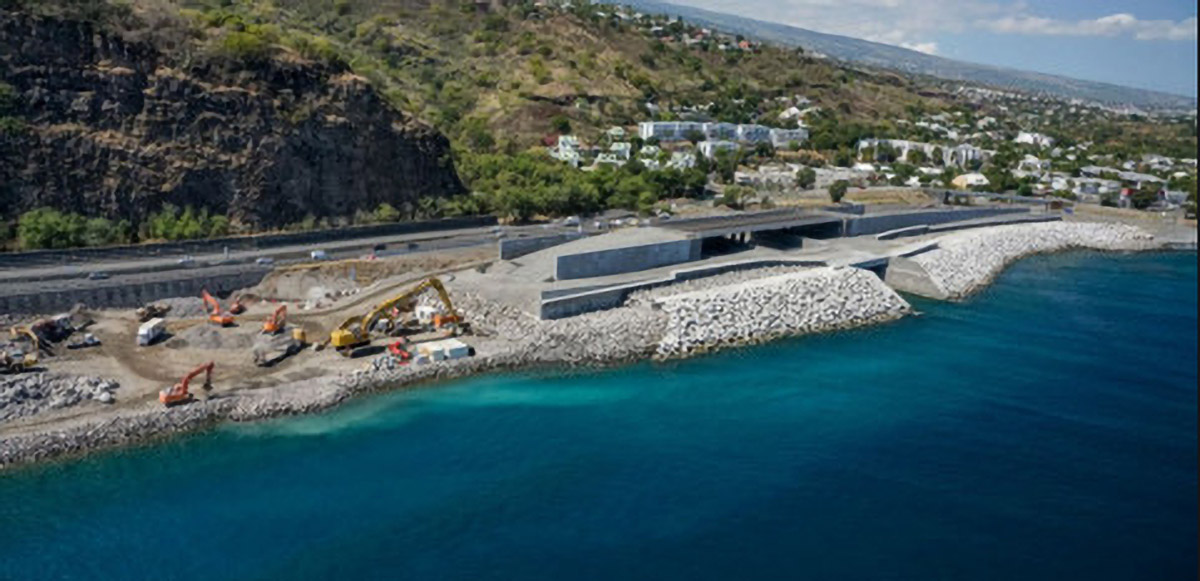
[{"x": 190, "y": 342}]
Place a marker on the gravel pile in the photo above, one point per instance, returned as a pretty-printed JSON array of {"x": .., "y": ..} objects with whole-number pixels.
[
  {"x": 184, "y": 307},
  {"x": 816, "y": 300},
  {"x": 968, "y": 261},
  {"x": 32, "y": 393}
]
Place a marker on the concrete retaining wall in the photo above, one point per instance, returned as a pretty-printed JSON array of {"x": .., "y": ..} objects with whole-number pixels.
[
  {"x": 517, "y": 247},
  {"x": 627, "y": 259},
  {"x": 558, "y": 304},
  {"x": 867, "y": 225},
  {"x": 118, "y": 295},
  {"x": 234, "y": 243}
]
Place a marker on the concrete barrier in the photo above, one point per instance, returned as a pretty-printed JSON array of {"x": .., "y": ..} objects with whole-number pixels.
[
  {"x": 626, "y": 259},
  {"x": 517, "y": 247},
  {"x": 570, "y": 302},
  {"x": 868, "y": 225},
  {"x": 129, "y": 295}
]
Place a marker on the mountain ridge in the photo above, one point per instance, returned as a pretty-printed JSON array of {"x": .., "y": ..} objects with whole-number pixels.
[{"x": 910, "y": 61}]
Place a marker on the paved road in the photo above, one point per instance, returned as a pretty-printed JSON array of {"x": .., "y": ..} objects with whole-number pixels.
[{"x": 141, "y": 270}]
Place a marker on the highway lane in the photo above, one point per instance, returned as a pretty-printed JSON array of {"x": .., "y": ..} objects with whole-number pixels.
[{"x": 17, "y": 280}]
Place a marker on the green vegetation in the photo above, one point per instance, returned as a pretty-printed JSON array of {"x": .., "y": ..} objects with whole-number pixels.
[
  {"x": 525, "y": 185},
  {"x": 172, "y": 224},
  {"x": 49, "y": 228},
  {"x": 806, "y": 178},
  {"x": 837, "y": 191}
]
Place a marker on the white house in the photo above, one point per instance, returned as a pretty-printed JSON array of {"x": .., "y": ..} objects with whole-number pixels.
[
  {"x": 782, "y": 138},
  {"x": 1034, "y": 139},
  {"x": 709, "y": 149},
  {"x": 970, "y": 180}
]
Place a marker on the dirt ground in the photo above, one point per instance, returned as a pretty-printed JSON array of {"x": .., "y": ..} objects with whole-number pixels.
[{"x": 194, "y": 341}]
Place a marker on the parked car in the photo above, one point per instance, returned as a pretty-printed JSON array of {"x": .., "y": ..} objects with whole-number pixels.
[
  {"x": 571, "y": 221},
  {"x": 98, "y": 275},
  {"x": 379, "y": 248},
  {"x": 264, "y": 261},
  {"x": 186, "y": 260},
  {"x": 318, "y": 255}
]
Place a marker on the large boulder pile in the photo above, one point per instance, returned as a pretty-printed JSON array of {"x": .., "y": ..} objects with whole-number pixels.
[
  {"x": 762, "y": 309},
  {"x": 966, "y": 262},
  {"x": 32, "y": 393}
]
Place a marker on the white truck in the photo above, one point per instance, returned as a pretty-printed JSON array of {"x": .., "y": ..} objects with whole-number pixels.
[{"x": 150, "y": 331}]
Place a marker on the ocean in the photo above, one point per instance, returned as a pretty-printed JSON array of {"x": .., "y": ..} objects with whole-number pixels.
[{"x": 1044, "y": 429}]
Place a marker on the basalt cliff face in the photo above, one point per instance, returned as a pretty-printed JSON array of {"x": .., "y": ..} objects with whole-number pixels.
[{"x": 117, "y": 129}]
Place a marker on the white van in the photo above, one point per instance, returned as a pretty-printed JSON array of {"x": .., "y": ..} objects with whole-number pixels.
[{"x": 150, "y": 331}]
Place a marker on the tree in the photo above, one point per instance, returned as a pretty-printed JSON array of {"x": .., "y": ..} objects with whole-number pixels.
[
  {"x": 735, "y": 196},
  {"x": 694, "y": 136},
  {"x": 561, "y": 124},
  {"x": 806, "y": 178},
  {"x": 837, "y": 191},
  {"x": 386, "y": 213}
]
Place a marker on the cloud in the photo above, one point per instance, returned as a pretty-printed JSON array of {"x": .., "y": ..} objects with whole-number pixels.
[
  {"x": 916, "y": 24},
  {"x": 1122, "y": 24},
  {"x": 925, "y": 47}
]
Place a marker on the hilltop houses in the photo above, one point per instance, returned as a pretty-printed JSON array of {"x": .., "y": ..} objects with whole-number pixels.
[
  {"x": 668, "y": 131},
  {"x": 1034, "y": 139}
]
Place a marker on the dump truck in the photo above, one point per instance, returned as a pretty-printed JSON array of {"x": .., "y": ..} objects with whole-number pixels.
[{"x": 271, "y": 349}]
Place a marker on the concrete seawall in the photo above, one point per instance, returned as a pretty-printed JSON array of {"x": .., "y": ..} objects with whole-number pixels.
[
  {"x": 572, "y": 302},
  {"x": 870, "y": 225}
]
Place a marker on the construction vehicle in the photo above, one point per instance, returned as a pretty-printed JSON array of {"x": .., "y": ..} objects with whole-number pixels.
[
  {"x": 277, "y": 321},
  {"x": 355, "y": 332},
  {"x": 14, "y": 357},
  {"x": 179, "y": 392},
  {"x": 237, "y": 307},
  {"x": 88, "y": 340},
  {"x": 399, "y": 350},
  {"x": 150, "y": 331},
  {"x": 215, "y": 316},
  {"x": 152, "y": 311},
  {"x": 272, "y": 349}
]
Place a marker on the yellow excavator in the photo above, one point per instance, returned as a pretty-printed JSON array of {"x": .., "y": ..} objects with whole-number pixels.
[
  {"x": 355, "y": 332},
  {"x": 18, "y": 359}
]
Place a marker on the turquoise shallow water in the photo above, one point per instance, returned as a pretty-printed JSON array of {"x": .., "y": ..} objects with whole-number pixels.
[{"x": 1046, "y": 429}]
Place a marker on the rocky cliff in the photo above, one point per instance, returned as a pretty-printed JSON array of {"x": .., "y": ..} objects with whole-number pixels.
[{"x": 116, "y": 128}]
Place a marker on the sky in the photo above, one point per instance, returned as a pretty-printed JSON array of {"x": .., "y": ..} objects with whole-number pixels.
[{"x": 1149, "y": 44}]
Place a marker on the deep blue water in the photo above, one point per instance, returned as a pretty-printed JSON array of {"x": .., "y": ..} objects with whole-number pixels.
[{"x": 1046, "y": 429}]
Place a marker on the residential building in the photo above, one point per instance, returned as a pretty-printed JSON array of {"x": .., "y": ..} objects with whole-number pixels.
[
  {"x": 970, "y": 180},
  {"x": 1034, "y": 139},
  {"x": 782, "y": 138},
  {"x": 709, "y": 149}
]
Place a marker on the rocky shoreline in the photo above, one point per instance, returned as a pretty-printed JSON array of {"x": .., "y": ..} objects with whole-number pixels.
[
  {"x": 699, "y": 316},
  {"x": 968, "y": 261}
]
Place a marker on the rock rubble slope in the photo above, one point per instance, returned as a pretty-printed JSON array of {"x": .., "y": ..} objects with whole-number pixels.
[
  {"x": 966, "y": 262},
  {"x": 809, "y": 301}
]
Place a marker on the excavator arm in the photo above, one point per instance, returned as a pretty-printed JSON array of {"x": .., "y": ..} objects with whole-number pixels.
[{"x": 356, "y": 331}]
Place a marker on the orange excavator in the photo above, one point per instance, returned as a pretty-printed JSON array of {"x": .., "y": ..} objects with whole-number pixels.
[
  {"x": 179, "y": 392},
  {"x": 215, "y": 315},
  {"x": 277, "y": 321},
  {"x": 237, "y": 307}
]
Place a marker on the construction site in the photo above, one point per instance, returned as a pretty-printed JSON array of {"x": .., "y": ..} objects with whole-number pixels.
[{"x": 313, "y": 333}]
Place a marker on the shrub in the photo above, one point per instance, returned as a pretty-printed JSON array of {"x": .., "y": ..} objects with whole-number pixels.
[{"x": 837, "y": 191}]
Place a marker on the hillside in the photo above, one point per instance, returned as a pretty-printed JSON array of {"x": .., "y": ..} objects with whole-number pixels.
[
  {"x": 910, "y": 61},
  {"x": 104, "y": 125}
]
